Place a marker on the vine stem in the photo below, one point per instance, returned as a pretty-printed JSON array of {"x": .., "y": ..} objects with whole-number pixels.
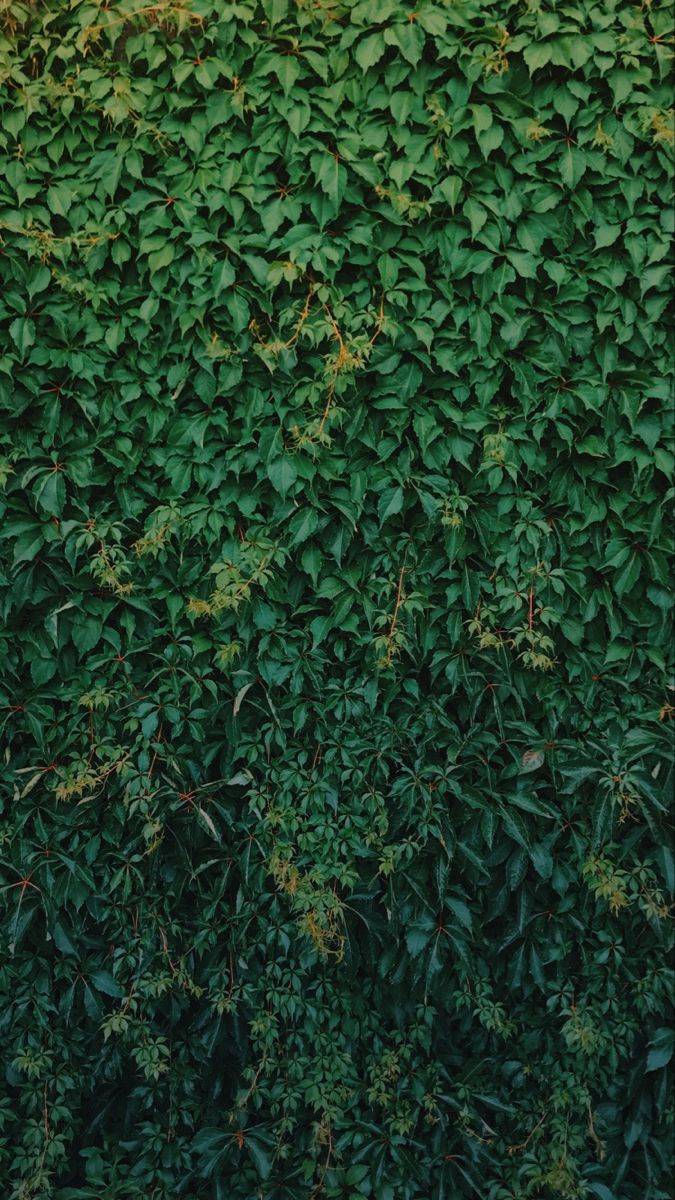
[
  {"x": 342, "y": 357},
  {"x": 380, "y": 319},
  {"x": 397, "y": 605},
  {"x": 154, "y": 757},
  {"x": 528, "y": 1139},
  {"x": 254, "y": 1084},
  {"x": 141, "y": 12},
  {"x": 301, "y": 319},
  {"x": 319, "y": 1187}
]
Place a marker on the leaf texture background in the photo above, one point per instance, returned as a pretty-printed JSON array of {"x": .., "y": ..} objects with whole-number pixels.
[{"x": 336, "y": 463}]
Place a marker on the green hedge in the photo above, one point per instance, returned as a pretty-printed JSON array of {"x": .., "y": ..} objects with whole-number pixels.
[{"x": 334, "y": 586}]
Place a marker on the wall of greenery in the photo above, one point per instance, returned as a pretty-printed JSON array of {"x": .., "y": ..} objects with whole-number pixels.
[{"x": 334, "y": 846}]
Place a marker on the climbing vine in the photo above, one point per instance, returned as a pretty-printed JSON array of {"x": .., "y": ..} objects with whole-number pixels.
[{"x": 335, "y": 472}]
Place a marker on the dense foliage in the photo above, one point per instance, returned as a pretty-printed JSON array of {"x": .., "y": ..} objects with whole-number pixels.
[{"x": 335, "y": 854}]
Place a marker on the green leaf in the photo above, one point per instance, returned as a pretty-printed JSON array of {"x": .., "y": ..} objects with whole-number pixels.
[
  {"x": 330, "y": 175},
  {"x": 283, "y": 473},
  {"x": 525, "y": 264},
  {"x": 161, "y": 258},
  {"x": 572, "y": 166},
  {"x": 391, "y": 502},
  {"x": 62, "y": 941},
  {"x": 537, "y": 55},
  {"x": 419, "y": 935},
  {"x": 22, "y": 332},
  {"x": 628, "y": 576},
  {"x": 661, "y": 1049},
  {"x": 103, "y": 981},
  {"x": 50, "y": 492},
  {"x": 260, "y": 1155},
  {"x": 370, "y": 50},
  {"x": 460, "y": 910},
  {"x": 287, "y": 70},
  {"x": 409, "y": 38},
  {"x": 303, "y": 526}
]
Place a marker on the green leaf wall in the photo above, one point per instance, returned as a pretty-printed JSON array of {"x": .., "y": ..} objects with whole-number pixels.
[{"x": 336, "y": 454}]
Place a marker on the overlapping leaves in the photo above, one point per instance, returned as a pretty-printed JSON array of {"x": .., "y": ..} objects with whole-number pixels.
[{"x": 335, "y": 592}]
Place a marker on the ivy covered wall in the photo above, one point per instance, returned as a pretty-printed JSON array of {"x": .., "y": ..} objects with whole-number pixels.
[{"x": 335, "y": 418}]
